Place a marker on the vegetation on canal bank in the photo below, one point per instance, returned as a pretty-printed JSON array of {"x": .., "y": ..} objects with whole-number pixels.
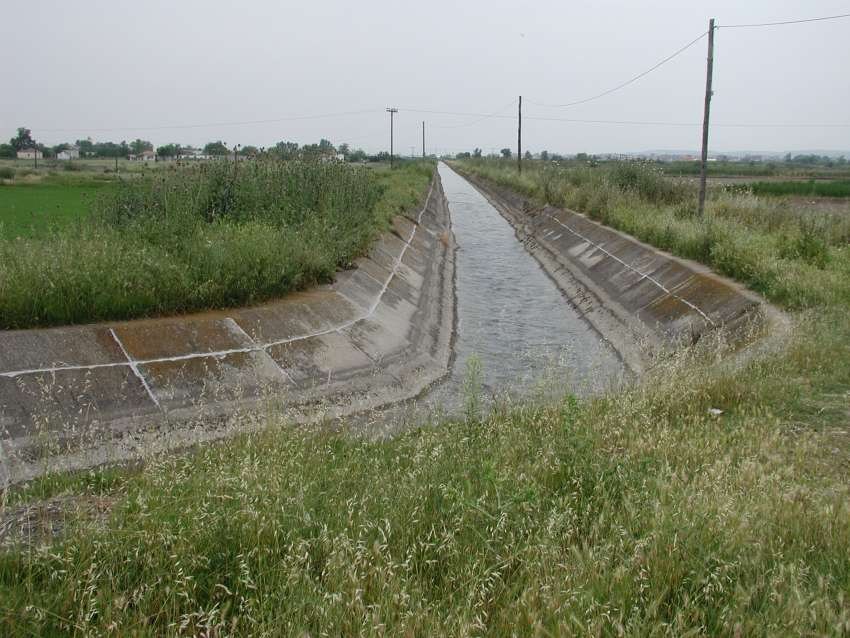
[
  {"x": 206, "y": 236},
  {"x": 638, "y": 513}
]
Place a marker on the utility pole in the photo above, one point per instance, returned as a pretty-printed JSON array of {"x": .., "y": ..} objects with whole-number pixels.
[
  {"x": 392, "y": 112},
  {"x": 423, "y": 139},
  {"x": 704, "y": 157},
  {"x": 519, "y": 137}
]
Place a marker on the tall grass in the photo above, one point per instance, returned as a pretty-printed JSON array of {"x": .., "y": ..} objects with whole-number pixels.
[
  {"x": 836, "y": 188},
  {"x": 636, "y": 514},
  {"x": 202, "y": 237},
  {"x": 639, "y": 513},
  {"x": 796, "y": 257}
]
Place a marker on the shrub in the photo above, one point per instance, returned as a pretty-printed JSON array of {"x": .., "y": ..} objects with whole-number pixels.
[{"x": 202, "y": 237}]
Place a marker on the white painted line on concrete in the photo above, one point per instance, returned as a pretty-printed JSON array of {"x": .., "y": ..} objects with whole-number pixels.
[
  {"x": 255, "y": 347},
  {"x": 235, "y": 325},
  {"x": 135, "y": 368},
  {"x": 5, "y": 473},
  {"x": 642, "y": 274}
]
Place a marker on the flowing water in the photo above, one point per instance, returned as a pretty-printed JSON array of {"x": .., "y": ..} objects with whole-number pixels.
[{"x": 517, "y": 335}]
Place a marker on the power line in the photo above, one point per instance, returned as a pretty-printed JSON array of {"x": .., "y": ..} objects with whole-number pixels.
[
  {"x": 210, "y": 124},
  {"x": 494, "y": 113},
  {"x": 784, "y": 22},
  {"x": 634, "y": 122},
  {"x": 630, "y": 80}
]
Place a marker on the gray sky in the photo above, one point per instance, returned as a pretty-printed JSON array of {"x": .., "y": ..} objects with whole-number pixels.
[{"x": 89, "y": 65}]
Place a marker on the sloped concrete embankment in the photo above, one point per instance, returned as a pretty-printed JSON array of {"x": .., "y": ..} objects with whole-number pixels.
[
  {"x": 642, "y": 300},
  {"x": 85, "y": 395}
]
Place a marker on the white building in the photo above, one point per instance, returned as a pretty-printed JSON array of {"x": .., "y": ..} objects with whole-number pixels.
[
  {"x": 144, "y": 156},
  {"x": 189, "y": 153},
  {"x": 30, "y": 153},
  {"x": 69, "y": 154}
]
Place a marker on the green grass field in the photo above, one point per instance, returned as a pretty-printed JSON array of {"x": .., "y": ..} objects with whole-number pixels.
[
  {"x": 32, "y": 210},
  {"x": 191, "y": 238},
  {"x": 639, "y": 513}
]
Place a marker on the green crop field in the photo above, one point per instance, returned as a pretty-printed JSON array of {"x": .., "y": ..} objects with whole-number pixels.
[
  {"x": 187, "y": 238},
  {"x": 31, "y": 210}
]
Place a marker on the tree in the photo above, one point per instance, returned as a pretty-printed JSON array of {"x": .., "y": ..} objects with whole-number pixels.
[
  {"x": 506, "y": 153},
  {"x": 7, "y": 151},
  {"x": 582, "y": 157},
  {"x": 285, "y": 150},
  {"x": 358, "y": 155},
  {"x": 476, "y": 153},
  {"x": 138, "y": 146},
  {"x": 86, "y": 147},
  {"x": 168, "y": 150},
  {"x": 216, "y": 148},
  {"x": 464, "y": 155},
  {"x": 527, "y": 155},
  {"x": 249, "y": 151},
  {"x": 345, "y": 150},
  {"x": 544, "y": 155},
  {"x": 22, "y": 140}
]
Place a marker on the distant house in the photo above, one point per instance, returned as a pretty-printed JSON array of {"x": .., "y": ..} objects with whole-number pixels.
[
  {"x": 190, "y": 153},
  {"x": 144, "y": 156},
  {"x": 69, "y": 154},
  {"x": 30, "y": 153}
]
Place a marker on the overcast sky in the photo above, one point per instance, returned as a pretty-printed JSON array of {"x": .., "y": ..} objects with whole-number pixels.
[{"x": 73, "y": 69}]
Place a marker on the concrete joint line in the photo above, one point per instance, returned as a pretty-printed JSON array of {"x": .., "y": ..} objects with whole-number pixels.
[
  {"x": 135, "y": 368},
  {"x": 254, "y": 344},
  {"x": 5, "y": 473},
  {"x": 254, "y": 347},
  {"x": 642, "y": 274}
]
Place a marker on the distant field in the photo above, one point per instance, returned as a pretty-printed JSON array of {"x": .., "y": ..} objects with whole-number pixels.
[
  {"x": 755, "y": 169},
  {"x": 30, "y": 210},
  {"x": 837, "y": 188},
  {"x": 187, "y": 239}
]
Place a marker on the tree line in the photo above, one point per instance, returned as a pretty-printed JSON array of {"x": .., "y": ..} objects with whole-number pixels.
[{"x": 282, "y": 150}]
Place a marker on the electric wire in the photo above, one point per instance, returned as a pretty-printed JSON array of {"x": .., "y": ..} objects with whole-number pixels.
[
  {"x": 784, "y": 22},
  {"x": 291, "y": 118},
  {"x": 629, "y": 81},
  {"x": 494, "y": 113},
  {"x": 632, "y": 122}
]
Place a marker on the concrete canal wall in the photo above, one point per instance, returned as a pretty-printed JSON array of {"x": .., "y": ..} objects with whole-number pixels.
[
  {"x": 642, "y": 300},
  {"x": 84, "y": 395}
]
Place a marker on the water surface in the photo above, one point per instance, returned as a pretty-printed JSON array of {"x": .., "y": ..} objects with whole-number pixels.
[{"x": 517, "y": 335}]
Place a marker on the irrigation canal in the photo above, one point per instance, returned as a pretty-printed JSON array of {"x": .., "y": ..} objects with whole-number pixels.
[{"x": 516, "y": 333}]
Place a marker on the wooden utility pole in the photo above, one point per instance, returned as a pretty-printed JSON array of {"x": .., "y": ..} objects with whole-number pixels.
[
  {"x": 423, "y": 140},
  {"x": 392, "y": 112},
  {"x": 519, "y": 137},
  {"x": 704, "y": 157}
]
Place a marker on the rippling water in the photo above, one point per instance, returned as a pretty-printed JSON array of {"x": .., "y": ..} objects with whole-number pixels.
[{"x": 516, "y": 333}]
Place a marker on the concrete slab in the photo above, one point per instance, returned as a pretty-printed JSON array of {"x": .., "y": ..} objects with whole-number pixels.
[
  {"x": 67, "y": 400},
  {"x": 198, "y": 381},
  {"x": 157, "y": 339},
  {"x": 348, "y": 346},
  {"x": 57, "y": 347},
  {"x": 326, "y": 358}
]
